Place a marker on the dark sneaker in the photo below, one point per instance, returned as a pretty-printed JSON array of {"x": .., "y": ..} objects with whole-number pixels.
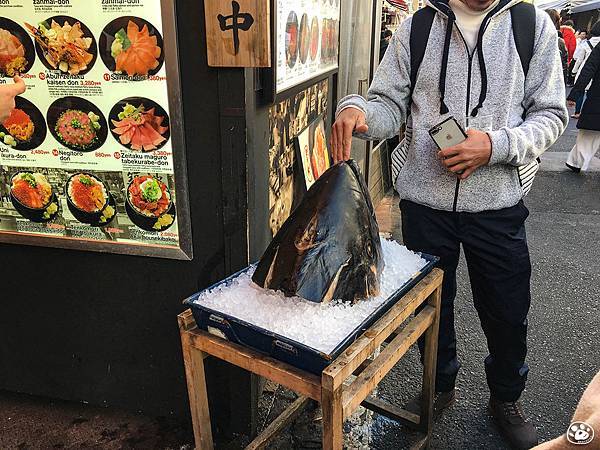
[
  {"x": 513, "y": 425},
  {"x": 441, "y": 401},
  {"x": 573, "y": 168}
]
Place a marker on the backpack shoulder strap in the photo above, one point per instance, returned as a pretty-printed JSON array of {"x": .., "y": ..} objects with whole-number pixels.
[
  {"x": 590, "y": 44},
  {"x": 523, "y": 25},
  {"x": 419, "y": 36}
]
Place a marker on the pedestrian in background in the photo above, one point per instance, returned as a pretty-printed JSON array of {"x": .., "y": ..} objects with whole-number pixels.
[
  {"x": 588, "y": 137},
  {"x": 583, "y": 52},
  {"x": 568, "y": 34},
  {"x": 386, "y": 37},
  {"x": 555, "y": 16}
]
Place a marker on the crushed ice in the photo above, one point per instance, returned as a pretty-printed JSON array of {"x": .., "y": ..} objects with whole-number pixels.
[{"x": 319, "y": 326}]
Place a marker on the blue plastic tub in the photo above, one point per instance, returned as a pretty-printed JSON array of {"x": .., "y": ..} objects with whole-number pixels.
[{"x": 280, "y": 347}]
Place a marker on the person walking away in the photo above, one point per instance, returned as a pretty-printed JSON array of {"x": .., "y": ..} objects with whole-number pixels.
[
  {"x": 470, "y": 194},
  {"x": 555, "y": 16},
  {"x": 582, "y": 53},
  {"x": 386, "y": 36},
  {"x": 568, "y": 33},
  {"x": 588, "y": 136},
  {"x": 8, "y": 92}
]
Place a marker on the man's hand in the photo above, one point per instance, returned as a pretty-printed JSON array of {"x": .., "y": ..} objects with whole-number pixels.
[
  {"x": 463, "y": 159},
  {"x": 571, "y": 103},
  {"x": 348, "y": 121},
  {"x": 8, "y": 92}
]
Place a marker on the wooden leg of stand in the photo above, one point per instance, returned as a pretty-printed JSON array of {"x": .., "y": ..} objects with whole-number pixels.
[
  {"x": 196, "y": 383},
  {"x": 429, "y": 368},
  {"x": 333, "y": 417}
]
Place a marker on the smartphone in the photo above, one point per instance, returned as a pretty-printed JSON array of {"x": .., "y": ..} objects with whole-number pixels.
[{"x": 447, "y": 133}]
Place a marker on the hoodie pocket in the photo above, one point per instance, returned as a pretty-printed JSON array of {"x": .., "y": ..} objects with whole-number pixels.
[
  {"x": 527, "y": 175},
  {"x": 400, "y": 154}
]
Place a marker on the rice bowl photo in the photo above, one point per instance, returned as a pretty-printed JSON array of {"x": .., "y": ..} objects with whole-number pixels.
[
  {"x": 139, "y": 124},
  {"x": 77, "y": 124},
  {"x": 33, "y": 197},
  {"x": 25, "y": 128},
  {"x": 149, "y": 203},
  {"x": 132, "y": 46},
  {"x": 65, "y": 44},
  {"x": 89, "y": 200},
  {"x": 17, "y": 53}
]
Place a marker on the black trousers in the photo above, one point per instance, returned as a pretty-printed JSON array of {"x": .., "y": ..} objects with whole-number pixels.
[{"x": 495, "y": 247}]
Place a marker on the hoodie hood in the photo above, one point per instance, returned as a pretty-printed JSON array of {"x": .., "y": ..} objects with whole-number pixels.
[{"x": 443, "y": 8}]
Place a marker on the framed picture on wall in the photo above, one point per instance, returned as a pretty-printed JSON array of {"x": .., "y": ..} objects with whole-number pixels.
[
  {"x": 313, "y": 152},
  {"x": 305, "y": 44}
]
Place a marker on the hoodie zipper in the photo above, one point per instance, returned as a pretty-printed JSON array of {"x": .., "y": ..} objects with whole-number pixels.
[{"x": 469, "y": 74}]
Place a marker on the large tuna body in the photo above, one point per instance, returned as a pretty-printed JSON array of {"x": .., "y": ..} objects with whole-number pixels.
[{"x": 329, "y": 248}]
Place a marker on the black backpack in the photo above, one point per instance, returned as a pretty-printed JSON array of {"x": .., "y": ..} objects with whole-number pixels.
[{"x": 523, "y": 26}]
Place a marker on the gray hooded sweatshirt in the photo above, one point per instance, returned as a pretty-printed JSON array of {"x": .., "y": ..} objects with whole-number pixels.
[{"x": 489, "y": 82}]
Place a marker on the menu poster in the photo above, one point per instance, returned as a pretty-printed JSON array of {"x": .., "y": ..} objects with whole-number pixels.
[
  {"x": 87, "y": 152},
  {"x": 307, "y": 40}
]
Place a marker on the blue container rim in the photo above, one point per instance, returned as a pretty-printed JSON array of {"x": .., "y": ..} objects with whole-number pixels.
[{"x": 376, "y": 315}]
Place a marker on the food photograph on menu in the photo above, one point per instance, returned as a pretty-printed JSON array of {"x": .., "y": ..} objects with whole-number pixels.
[
  {"x": 66, "y": 44},
  {"x": 139, "y": 124},
  {"x": 17, "y": 53},
  {"x": 314, "y": 154},
  {"x": 306, "y": 41},
  {"x": 132, "y": 46},
  {"x": 87, "y": 154}
]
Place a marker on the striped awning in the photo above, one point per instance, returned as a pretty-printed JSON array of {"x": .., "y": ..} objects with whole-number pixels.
[{"x": 400, "y": 4}]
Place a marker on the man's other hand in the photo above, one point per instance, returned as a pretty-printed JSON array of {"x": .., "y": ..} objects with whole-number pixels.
[
  {"x": 8, "y": 92},
  {"x": 571, "y": 103},
  {"x": 348, "y": 121},
  {"x": 463, "y": 159}
]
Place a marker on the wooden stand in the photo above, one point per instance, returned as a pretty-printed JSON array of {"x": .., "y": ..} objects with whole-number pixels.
[{"x": 338, "y": 400}]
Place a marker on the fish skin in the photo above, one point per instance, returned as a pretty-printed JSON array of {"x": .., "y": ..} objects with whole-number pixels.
[{"x": 329, "y": 248}]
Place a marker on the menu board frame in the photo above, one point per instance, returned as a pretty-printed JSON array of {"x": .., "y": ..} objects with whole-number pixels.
[
  {"x": 272, "y": 93},
  {"x": 184, "y": 249}
]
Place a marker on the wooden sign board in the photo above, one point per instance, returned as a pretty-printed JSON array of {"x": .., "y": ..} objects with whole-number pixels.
[{"x": 238, "y": 33}]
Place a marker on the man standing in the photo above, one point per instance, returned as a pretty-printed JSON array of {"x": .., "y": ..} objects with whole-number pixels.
[
  {"x": 386, "y": 37},
  {"x": 470, "y": 194}
]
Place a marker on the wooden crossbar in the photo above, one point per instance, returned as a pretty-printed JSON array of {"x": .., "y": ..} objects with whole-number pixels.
[
  {"x": 297, "y": 380},
  {"x": 391, "y": 411},
  {"x": 282, "y": 421},
  {"x": 365, "y": 345},
  {"x": 368, "y": 380}
]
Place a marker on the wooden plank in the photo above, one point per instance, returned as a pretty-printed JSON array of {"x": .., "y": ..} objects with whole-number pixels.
[
  {"x": 391, "y": 411},
  {"x": 368, "y": 380},
  {"x": 238, "y": 33},
  {"x": 196, "y": 384},
  {"x": 333, "y": 419},
  {"x": 282, "y": 421},
  {"x": 421, "y": 444},
  {"x": 186, "y": 320},
  {"x": 365, "y": 345},
  {"x": 429, "y": 363},
  {"x": 297, "y": 380}
]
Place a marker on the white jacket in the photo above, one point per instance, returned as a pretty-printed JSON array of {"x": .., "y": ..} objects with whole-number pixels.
[{"x": 582, "y": 54}]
